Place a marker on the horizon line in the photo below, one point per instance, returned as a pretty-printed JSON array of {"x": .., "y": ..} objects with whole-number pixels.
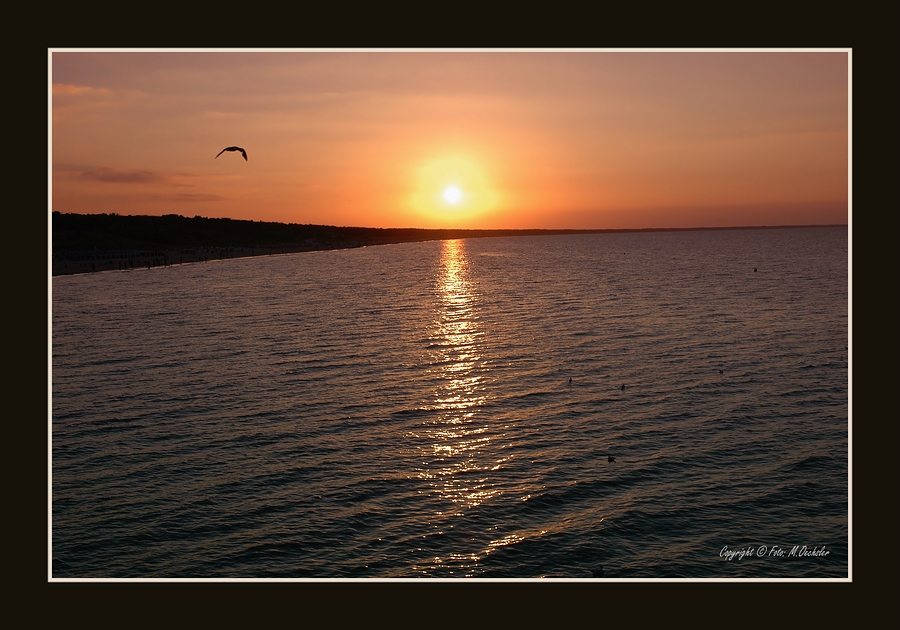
[{"x": 584, "y": 230}]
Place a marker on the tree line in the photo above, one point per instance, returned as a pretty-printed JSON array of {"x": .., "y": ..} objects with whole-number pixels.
[{"x": 90, "y": 232}]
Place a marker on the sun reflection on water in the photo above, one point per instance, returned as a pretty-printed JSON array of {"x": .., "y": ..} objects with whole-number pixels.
[{"x": 457, "y": 460}]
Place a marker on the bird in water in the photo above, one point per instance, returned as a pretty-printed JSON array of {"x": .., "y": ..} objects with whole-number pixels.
[
  {"x": 610, "y": 459},
  {"x": 598, "y": 572},
  {"x": 623, "y": 388},
  {"x": 244, "y": 153}
]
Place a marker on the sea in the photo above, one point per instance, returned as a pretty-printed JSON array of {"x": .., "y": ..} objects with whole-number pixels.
[{"x": 633, "y": 405}]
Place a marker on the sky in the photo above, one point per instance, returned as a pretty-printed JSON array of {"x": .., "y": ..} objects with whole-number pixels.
[{"x": 455, "y": 139}]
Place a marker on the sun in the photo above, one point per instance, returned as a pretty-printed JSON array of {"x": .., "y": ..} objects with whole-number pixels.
[
  {"x": 452, "y": 188},
  {"x": 453, "y": 194}
]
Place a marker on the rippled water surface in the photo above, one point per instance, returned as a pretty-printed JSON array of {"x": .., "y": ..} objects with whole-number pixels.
[{"x": 449, "y": 409}]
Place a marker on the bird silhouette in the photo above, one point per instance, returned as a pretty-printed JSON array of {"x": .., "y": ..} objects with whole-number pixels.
[
  {"x": 244, "y": 153},
  {"x": 610, "y": 459}
]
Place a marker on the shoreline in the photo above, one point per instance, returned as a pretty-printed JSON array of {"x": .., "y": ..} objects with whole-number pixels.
[
  {"x": 67, "y": 264},
  {"x": 78, "y": 262}
]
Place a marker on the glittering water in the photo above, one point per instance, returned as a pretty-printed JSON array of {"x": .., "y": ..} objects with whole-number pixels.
[{"x": 448, "y": 409}]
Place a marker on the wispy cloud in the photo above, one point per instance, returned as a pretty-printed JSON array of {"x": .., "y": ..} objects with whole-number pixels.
[
  {"x": 64, "y": 89},
  {"x": 116, "y": 176},
  {"x": 109, "y": 175},
  {"x": 131, "y": 199},
  {"x": 181, "y": 197}
]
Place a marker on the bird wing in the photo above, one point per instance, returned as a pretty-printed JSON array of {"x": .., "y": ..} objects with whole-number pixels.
[
  {"x": 244, "y": 153},
  {"x": 221, "y": 152}
]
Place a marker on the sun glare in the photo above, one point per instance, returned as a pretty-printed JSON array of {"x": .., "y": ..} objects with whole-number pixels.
[
  {"x": 452, "y": 190},
  {"x": 453, "y": 194}
]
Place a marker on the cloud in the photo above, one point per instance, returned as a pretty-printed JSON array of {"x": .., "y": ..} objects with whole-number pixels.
[
  {"x": 183, "y": 198},
  {"x": 120, "y": 176},
  {"x": 64, "y": 89},
  {"x": 167, "y": 198},
  {"x": 116, "y": 176},
  {"x": 67, "y": 172}
]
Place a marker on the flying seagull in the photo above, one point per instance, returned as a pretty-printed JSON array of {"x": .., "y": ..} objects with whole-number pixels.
[{"x": 244, "y": 153}]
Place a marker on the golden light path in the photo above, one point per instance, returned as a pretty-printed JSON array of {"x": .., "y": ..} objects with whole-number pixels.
[
  {"x": 462, "y": 453},
  {"x": 456, "y": 439}
]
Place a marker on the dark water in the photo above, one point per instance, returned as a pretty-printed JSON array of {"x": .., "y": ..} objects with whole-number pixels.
[{"x": 407, "y": 410}]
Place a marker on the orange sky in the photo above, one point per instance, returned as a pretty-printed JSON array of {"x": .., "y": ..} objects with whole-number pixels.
[{"x": 536, "y": 139}]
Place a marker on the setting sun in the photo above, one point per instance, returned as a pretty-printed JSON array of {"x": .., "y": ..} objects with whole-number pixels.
[
  {"x": 456, "y": 183},
  {"x": 453, "y": 194}
]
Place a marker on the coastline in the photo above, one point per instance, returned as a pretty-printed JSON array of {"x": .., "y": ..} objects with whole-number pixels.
[
  {"x": 94, "y": 243},
  {"x": 65, "y": 264}
]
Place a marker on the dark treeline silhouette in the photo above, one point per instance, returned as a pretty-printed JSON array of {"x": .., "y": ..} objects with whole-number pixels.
[
  {"x": 84, "y": 243},
  {"x": 93, "y": 232},
  {"x": 98, "y": 232}
]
